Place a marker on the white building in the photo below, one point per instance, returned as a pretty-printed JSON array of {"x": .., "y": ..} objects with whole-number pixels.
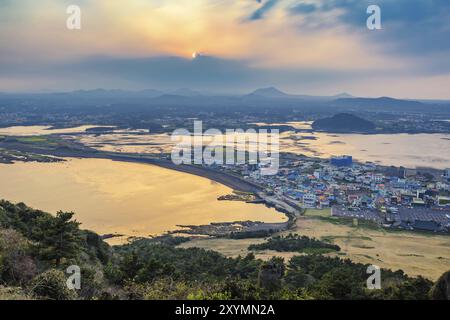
[
  {"x": 318, "y": 174},
  {"x": 309, "y": 200},
  {"x": 377, "y": 178}
]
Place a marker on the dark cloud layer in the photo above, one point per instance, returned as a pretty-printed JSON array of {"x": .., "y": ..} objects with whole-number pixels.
[
  {"x": 302, "y": 8},
  {"x": 165, "y": 72},
  {"x": 417, "y": 29},
  {"x": 410, "y": 27},
  {"x": 203, "y": 72},
  {"x": 168, "y": 71},
  {"x": 260, "y": 12}
]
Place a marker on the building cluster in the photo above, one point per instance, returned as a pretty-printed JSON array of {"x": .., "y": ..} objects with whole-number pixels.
[{"x": 392, "y": 197}]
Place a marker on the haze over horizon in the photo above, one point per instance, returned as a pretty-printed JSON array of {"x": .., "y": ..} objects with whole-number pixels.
[{"x": 302, "y": 47}]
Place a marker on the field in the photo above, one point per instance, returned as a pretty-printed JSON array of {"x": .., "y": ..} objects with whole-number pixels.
[
  {"x": 415, "y": 253},
  {"x": 41, "y": 140}
]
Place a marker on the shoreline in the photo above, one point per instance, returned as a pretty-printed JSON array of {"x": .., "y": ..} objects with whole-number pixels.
[
  {"x": 224, "y": 178},
  {"x": 231, "y": 181}
]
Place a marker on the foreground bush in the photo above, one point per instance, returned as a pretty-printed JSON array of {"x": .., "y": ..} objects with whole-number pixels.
[{"x": 51, "y": 285}]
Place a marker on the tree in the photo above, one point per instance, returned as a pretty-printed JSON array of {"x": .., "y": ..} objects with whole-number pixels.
[
  {"x": 58, "y": 237},
  {"x": 341, "y": 283},
  {"x": 271, "y": 273},
  {"x": 441, "y": 289},
  {"x": 16, "y": 263}
]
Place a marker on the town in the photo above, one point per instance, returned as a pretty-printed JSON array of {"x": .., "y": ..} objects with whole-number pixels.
[{"x": 388, "y": 196}]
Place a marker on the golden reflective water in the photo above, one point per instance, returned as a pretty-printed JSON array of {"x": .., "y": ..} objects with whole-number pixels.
[
  {"x": 41, "y": 130},
  {"x": 408, "y": 150},
  {"x": 127, "y": 198}
]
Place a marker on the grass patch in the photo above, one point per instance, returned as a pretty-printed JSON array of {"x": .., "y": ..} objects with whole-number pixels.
[
  {"x": 410, "y": 255},
  {"x": 362, "y": 224},
  {"x": 336, "y": 221},
  {"x": 365, "y": 256},
  {"x": 325, "y": 213},
  {"x": 41, "y": 140},
  {"x": 32, "y": 139},
  {"x": 295, "y": 243},
  {"x": 370, "y": 225},
  {"x": 243, "y": 192},
  {"x": 361, "y": 246},
  {"x": 331, "y": 239},
  {"x": 428, "y": 234},
  {"x": 316, "y": 250}
]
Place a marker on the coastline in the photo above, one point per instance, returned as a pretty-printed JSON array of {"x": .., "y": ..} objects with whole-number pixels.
[
  {"x": 224, "y": 178},
  {"x": 231, "y": 181}
]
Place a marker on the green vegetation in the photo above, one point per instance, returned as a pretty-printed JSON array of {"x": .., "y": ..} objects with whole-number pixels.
[
  {"x": 41, "y": 140},
  {"x": 59, "y": 237},
  {"x": 252, "y": 234},
  {"x": 32, "y": 139},
  {"x": 318, "y": 213},
  {"x": 36, "y": 248},
  {"x": 332, "y": 238},
  {"x": 295, "y": 243},
  {"x": 350, "y": 222},
  {"x": 324, "y": 215},
  {"x": 344, "y": 122},
  {"x": 440, "y": 290}
]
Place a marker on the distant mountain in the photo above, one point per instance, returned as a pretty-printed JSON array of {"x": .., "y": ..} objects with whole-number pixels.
[
  {"x": 259, "y": 99},
  {"x": 377, "y": 102},
  {"x": 170, "y": 97},
  {"x": 99, "y": 91},
  {"x": 185, "y": 92},
  {"x": 437, "y": 101},
  {"x": 274, "y": 93},
  {"x": 270, "y": 92},
  {"x": 343, "y": 123},
  {"x": 147, "y": 93},
  {"x": 343, "y": 95},
  {"x": 151, "y": 93},
  {"x": 111, "y": 93}
]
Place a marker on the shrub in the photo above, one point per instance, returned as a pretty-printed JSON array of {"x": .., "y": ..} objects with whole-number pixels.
[
  {"x": 441, "y": 289},
  {"x": 51, "y": 285},
  {"x": 16, "y": 264}
]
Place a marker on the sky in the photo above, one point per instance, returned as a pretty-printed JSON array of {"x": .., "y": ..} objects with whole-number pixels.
[{"x": 320, "y": 47}]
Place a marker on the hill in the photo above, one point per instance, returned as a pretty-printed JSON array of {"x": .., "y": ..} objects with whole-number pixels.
[
  {"x": 36, "y": 248},
  {"x": 270, "y": 92},
  {"x": 378, "y": 102},
  {"x": 344, "y": 122},
  {"x": 274, "y": 93}
]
